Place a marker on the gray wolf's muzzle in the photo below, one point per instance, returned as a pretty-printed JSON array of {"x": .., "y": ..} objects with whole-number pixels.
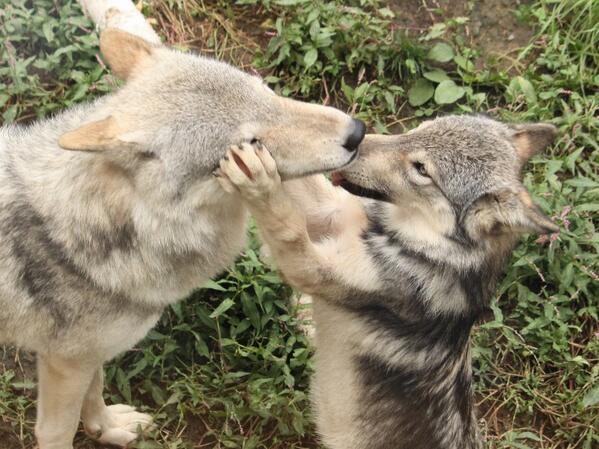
[{"x": 356, "y": 136}]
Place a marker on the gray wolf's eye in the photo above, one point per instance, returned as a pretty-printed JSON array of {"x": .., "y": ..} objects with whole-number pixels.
[{"x": 420, "y": 168}]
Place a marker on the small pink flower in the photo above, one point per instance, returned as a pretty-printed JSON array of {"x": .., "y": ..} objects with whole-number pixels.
[{"x": 542, "y": 239}]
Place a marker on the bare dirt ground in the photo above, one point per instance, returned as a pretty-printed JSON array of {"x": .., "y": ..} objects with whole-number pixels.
[{"x": 492, "y": 26}]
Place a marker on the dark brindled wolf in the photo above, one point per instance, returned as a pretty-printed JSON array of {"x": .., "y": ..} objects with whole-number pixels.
[
  {"x": 94, "y": 242},
  {"x": 400, "y": 272}
]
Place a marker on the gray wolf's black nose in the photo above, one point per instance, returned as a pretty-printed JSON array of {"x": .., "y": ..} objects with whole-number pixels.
[{"x": 356, "y": 136}]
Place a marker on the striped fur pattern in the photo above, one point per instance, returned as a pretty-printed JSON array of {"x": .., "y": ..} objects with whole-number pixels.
[{"x": 399, "y": 270}]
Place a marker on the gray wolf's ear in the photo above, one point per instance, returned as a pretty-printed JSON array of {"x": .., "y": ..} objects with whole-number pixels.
[
  {"x": 96, "y": 136},
  {"x": 532, "y": 138},
  {"x": 125, "y": 53},
  {"x": 506, "y": 212}
]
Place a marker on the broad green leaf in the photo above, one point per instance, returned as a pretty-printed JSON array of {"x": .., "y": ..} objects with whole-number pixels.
[
  {"x": 436, "y": 31},
  {"x": 591, "y": 398},
  {"x": 47, "y": 30},
  {"x": 202, "y": 348},
  {"x": 527, "y": 89},
  {"x": 582, "y": 182},
  {"x": 314, "y": 29},
  {"x": 572, "y": 158},
  {"x": 528, "y": 435},
  {"x": 436, "y": 75},
  {"x": 80, "y": 92},
  {"x": 24, "y": 385},
  {"x": 448, "y": 92},
  {"x": 122, "y": 383},
  {"x": 441, "y": 52},
  {"x": 310, "y": 57},
  {"x": 211, "y": 285},
  {"x": 420, "y": 92},
  {"x": 390, "y": 99},
  {"x": 360, "y": 91},
  {"x": 386, "y": 12},
  {"x": 464, "y": 63},
  {"x": 250, "y": 310},
  {"x": 589, "y": 207},
  {"x": 347, "y": 90},
  {"x": 222, "y": 308},
  {"x": 9, "y": 115},
  {"x": 312, "y": 15},
  {"x": 521, "y": 86}
]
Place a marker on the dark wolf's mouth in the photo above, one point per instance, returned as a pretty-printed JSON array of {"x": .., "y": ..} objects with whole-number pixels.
[{"x": 338, "y": 180}]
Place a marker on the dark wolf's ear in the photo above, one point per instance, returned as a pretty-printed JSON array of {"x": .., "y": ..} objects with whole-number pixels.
[
  {"x": 125, "y": 53},
  {"x": 98, "y": 136},
  {"x": 532, "y": 138},
  {"x": 506, "y": 212}
]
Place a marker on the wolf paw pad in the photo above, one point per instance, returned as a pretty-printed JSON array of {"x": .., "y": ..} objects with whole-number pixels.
[
  {"x": 249, "y": 170},
  {"x": 118, "y": 425}
]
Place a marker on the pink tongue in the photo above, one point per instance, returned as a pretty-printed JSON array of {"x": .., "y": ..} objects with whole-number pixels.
[{"x": 336, "y": 178}]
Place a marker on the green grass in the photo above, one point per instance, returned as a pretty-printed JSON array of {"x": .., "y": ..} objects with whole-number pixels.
[{"x": 229, "y": 367}]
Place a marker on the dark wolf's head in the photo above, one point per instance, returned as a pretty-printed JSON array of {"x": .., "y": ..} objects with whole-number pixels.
[
  {"x": 453, "y": 179},
  {"x": 187, "y": 110}
]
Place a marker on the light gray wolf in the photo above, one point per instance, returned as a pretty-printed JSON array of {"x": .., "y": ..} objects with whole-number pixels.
[
  {"x": 399, "y": 271},
  {"x": 97, "y": 240}
]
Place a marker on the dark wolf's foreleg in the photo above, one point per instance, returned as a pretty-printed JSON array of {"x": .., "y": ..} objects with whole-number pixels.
[
  {"x": 282, "y": 225},
  {"x": 313, "y": 268},
  {"x": 327, "y": 209}
]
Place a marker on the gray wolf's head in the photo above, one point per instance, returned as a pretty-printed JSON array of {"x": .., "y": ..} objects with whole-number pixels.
[
  {"x": 187, "y": 110},
  {"x": 454, "y": 178}
]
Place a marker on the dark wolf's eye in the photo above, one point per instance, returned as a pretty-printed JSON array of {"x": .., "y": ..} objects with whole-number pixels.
[
  {"x": 419, "y": 166},
  {"x": 253, "y": 141}
]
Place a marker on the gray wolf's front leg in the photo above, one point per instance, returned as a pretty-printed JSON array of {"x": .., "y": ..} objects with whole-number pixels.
[
  {"x": 252, "y": 172},
  {"x": 62, "y": 387},
  {"x": 70, "y": 389}
]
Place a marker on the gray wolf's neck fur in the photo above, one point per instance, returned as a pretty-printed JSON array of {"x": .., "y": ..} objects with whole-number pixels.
[
  {"x": 113, "y": 229},
  {"x": 428, "y": 389}
]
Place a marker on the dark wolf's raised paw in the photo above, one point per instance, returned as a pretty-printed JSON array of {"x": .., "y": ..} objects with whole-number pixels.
[{"x": 248, "y": 169}]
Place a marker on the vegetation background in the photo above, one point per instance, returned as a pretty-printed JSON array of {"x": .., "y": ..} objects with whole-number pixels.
[{"x": 229, "y": 366}]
